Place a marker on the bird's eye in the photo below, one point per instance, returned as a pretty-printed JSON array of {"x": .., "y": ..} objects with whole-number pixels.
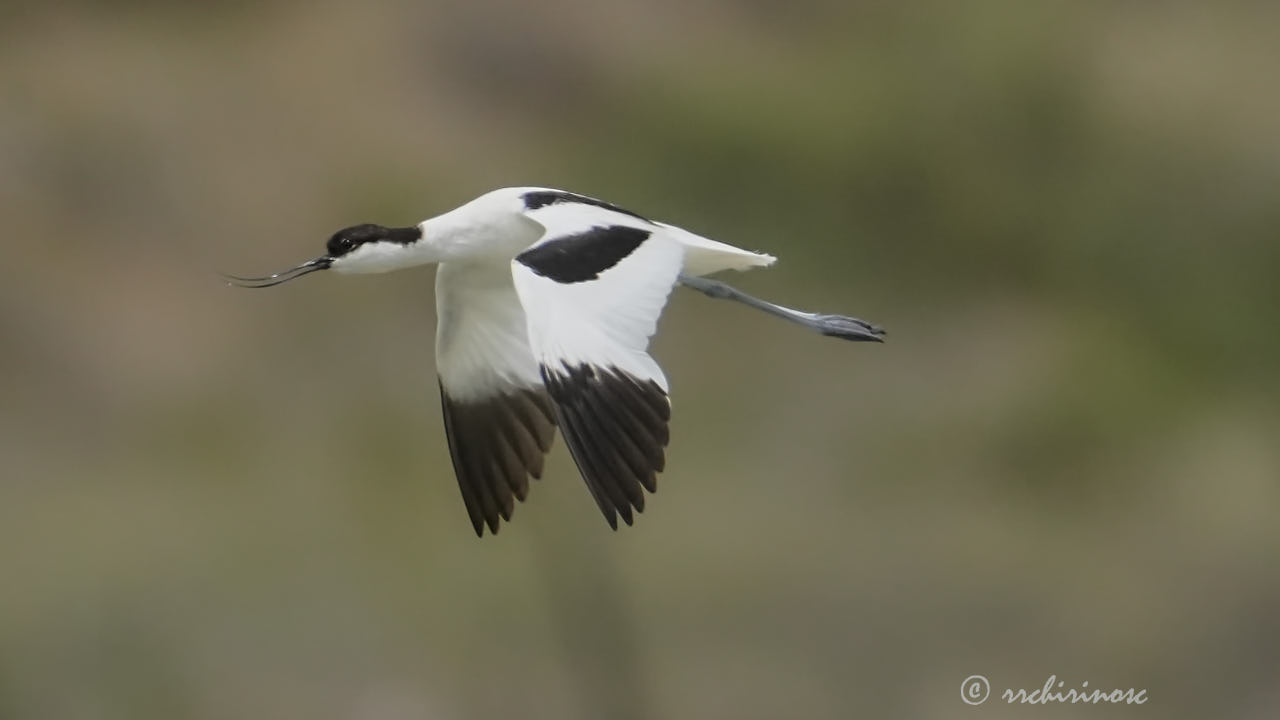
[{"x": 341, "y": 244}]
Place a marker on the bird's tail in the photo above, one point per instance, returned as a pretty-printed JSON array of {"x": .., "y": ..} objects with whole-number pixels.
[{"x": 703, "y": 256}]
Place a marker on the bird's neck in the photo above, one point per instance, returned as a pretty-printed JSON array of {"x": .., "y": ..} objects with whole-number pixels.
[{"x": 467, "y": 235}]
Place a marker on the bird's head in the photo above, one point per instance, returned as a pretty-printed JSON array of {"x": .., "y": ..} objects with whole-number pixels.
[{"x": 363, "y": 248}]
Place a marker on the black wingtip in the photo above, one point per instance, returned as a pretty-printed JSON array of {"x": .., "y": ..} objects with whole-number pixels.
[
  {"x": 616, "y": 429},
  {"x": 493, "y": 444}
]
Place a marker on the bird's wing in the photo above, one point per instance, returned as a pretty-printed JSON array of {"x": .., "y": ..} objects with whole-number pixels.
[
  {"x": 498, "y": 417},
  {"x": 592, "y": 288}
]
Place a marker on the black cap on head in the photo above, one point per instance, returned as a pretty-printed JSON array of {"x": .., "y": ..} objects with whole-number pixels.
[{"x": 348, "y": 239}]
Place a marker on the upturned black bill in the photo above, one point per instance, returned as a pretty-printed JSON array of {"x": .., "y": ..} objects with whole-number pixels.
[{"x": 310, "y": 266}]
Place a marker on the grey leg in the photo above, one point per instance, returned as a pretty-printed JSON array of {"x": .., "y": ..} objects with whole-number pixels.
[{"x": 841, "y": 326}]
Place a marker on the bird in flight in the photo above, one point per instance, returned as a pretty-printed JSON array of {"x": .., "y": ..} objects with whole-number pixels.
[{"x": 545, "y": 303}]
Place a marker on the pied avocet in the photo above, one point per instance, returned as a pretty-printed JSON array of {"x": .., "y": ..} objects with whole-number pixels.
[{"x": 546, "y": 301}]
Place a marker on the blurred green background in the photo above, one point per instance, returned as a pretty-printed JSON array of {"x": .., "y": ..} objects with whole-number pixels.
[{"x": 220, "y": 503}]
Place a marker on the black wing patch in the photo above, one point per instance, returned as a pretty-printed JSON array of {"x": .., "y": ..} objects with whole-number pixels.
[
  {"x": 542, "y": 198},
  {"x": 582, "y": 257},
  {"x": 616, "y": 430},
  {"x": 496, "y": 444}
]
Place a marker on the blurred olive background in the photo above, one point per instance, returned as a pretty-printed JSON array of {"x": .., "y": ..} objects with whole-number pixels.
[{"x": 219, "y": 503}]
